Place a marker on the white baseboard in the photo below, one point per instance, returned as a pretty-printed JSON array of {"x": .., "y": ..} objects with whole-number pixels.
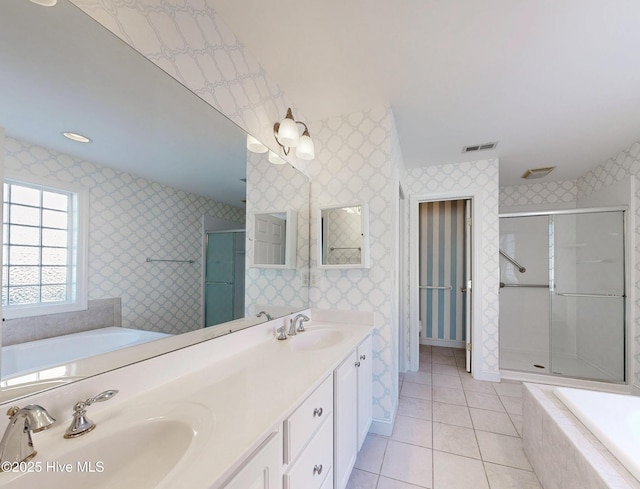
[
  {"x": 445, "y": 343},
  {"x": 487, "y": 376},
  {"x": 384, "y": 427}
]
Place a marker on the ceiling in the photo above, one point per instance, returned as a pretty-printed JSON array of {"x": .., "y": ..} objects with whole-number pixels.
[
  {"x": 62, "y": 71},
  {"x": 556, "y": 83}
]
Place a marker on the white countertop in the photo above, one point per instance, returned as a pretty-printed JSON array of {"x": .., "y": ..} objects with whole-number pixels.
[{"x": 247, "y": 394}]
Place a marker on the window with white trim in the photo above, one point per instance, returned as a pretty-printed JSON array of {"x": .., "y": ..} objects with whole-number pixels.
[{"x": 43, "y": 251}]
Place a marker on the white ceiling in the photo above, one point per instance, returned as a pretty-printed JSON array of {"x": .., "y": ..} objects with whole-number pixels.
[
  {"x": 555, "y": 82},
  {"x": 62, "y": 71}
]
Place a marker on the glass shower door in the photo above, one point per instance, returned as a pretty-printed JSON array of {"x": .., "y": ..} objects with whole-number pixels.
[{"x": 586, "y": 258}]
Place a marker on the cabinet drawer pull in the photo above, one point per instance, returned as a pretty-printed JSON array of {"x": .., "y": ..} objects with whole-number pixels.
[
  {"x": 357, "y": 364},
  {"x": 363, "y": 357},
  {"x": 317, "y": 412},
  {"x": 317, "y": 469}
]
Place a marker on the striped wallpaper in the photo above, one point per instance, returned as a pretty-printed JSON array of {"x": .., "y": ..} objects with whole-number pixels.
[{"x": 442, "y": 264}]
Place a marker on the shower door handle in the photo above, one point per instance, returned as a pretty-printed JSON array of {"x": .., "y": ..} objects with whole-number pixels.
[
  {"x": 601, "y": 296},
  {"x": 435, "y": 287}
]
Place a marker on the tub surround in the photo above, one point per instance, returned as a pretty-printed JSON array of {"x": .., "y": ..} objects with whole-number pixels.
[
  {"x": 249, "y": 388},
  {"x": 100, "y": 313},
  {"x": 562, "y": 451}
]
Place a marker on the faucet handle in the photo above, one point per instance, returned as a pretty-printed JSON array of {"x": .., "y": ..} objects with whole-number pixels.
[
  {"x": 80, "y": 424},
  {"x": 281, "y": 333}
]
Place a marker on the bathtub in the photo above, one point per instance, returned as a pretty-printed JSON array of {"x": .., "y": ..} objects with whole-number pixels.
[
  {"x": 32, "y": 356},
  {"x": 613, "y": 418}
]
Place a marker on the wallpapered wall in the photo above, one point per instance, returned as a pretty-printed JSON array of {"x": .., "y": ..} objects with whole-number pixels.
[
  {"x": 277, "y": 188},
  {"x": 482, "y": 175},
  {"x": 626, "y": 164},
  {"x": 130, "y": 219},
  {"x": 188, "y": 40},
  {"x": 354, "y": 164}
]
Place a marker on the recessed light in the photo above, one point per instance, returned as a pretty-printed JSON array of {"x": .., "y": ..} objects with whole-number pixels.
[{"x": 76, "y": 137}]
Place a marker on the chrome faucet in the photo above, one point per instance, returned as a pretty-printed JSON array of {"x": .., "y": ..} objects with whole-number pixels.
[
  {"x": 266, "y": 314},
  {"x": 300, "y": 319},
  {"x": 17, "y": 444},
  {"x": 80, "y": 424}
]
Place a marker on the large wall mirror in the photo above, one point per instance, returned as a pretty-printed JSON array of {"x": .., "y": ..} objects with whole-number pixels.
[{"x": 169, "y": 184}]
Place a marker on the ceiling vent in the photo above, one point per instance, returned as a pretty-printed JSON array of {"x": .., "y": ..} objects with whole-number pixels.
[
  {"x": 479, "y": 147},
  {"x": 537, "y": 172}
]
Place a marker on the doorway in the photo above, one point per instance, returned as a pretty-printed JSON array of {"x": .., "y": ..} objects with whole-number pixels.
[{"x": 441, "y": 271}]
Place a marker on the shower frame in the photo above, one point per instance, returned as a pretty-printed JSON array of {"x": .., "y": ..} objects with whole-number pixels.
[{"x": 629, "y": 296}]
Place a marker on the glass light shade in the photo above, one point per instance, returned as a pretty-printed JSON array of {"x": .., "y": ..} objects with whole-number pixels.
[
  {"x": 288, "y": 133},
  {"x": 305, "y": 149},
  {"x": 45, "y": 3},
  {"x": 255, "y": 146},
  {"x": 275, "y": 159}
]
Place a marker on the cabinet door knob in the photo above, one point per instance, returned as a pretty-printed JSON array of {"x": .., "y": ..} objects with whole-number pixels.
[
  {"x": 317, "y": 469},
  {"x": 357, "y": 364},
  {"x": 363, "y": 357},
  {"x": 317, "y": 412}
]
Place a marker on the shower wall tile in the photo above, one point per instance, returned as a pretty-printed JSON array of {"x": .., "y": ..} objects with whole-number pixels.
[
  {"x": 130, "y": 219},
  {"x": 482, "y": 175}
]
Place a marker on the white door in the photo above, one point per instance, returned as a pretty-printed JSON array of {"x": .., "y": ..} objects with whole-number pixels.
[
  {"x": 269, "y": 239},
  {"x": 345, "y": 420},
  {"x": 467, "y": 288},
  {"x": 365, "y": 390}
]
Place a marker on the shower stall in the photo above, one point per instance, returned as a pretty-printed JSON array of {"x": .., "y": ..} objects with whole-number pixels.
[{"x": 562, "y": 293}]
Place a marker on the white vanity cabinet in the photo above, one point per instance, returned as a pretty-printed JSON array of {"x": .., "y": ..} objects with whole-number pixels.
[
  {"x": 308, "y": 441},
  {"x": 352, "y": 409},
  {"x": 264, "y": 468}
]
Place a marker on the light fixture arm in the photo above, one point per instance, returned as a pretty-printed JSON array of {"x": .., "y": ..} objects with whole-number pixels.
[{"x": 276, "y": 127}]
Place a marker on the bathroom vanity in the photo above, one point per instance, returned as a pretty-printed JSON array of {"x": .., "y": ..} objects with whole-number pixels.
[{"x": 265, "y": 413}]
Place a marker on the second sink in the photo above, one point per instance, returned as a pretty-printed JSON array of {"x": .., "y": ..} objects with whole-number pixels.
[{"x": 316, "y": 339}]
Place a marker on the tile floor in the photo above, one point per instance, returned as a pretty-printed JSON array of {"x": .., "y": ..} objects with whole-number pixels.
[{"x": 451, "y": 432}]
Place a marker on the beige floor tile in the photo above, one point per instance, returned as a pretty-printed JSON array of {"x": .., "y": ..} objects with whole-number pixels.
[
  {"x": 501, "y": 477},
  {"x": 471, "y": 384},
  {"x": 456, "y": 472},
  {"x": 442, "y": 350},
  {"x": 386, "y": 483},
  {"x": 513, "y": 405},
  {"x": 443, "y": 360},
  {"x": 449, "y": 396},
  {"x": 455, "y": 439},
  {"x": 446, "y": 381},
  {"x": 492, "y": 421},
  {"x": 416, "y": 408},
  {"x": 412, "y": 430},
  {"x": 362, "y": 480},
  {"x": 419, "y": 377},
  {"x": 516, "y": 419},
  {"x": 508, "y": 389},
  {"x": 502, "y": 449},
  {"x": 419, "y": 391},
  {"x": 424, "y": 366},
  {"x": 408, "y": 463},
  {"x": 438, "y": 368},
  {"x": 484, "y": 401},
  {"x": 452, "y": 414},
  {"x": 371, "y": 454}
]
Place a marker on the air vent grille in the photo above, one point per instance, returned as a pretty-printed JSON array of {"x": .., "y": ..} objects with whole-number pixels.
[{"x": 479, "y": 147}]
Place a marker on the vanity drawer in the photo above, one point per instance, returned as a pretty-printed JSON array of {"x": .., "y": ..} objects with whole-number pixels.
[
  {"x": 315, "y": 463},
  {"x": 307, "y": 419}
]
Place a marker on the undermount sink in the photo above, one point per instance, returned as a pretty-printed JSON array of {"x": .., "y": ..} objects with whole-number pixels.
[
  {"x": 129, "y": 449},
  {"x": 316, "y": 339}
]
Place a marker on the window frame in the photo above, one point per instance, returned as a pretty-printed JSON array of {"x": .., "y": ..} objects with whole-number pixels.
[{"x": 79, "y": 251}]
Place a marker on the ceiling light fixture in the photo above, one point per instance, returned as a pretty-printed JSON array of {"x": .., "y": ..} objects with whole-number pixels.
[
  {"x": 288, "y": 136},
  {"x": 45, "y": 3},
  {"x": 255, "y": 146},
  {"x": 537, "y": 172},
  {"x": 79, "y": 138}
]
